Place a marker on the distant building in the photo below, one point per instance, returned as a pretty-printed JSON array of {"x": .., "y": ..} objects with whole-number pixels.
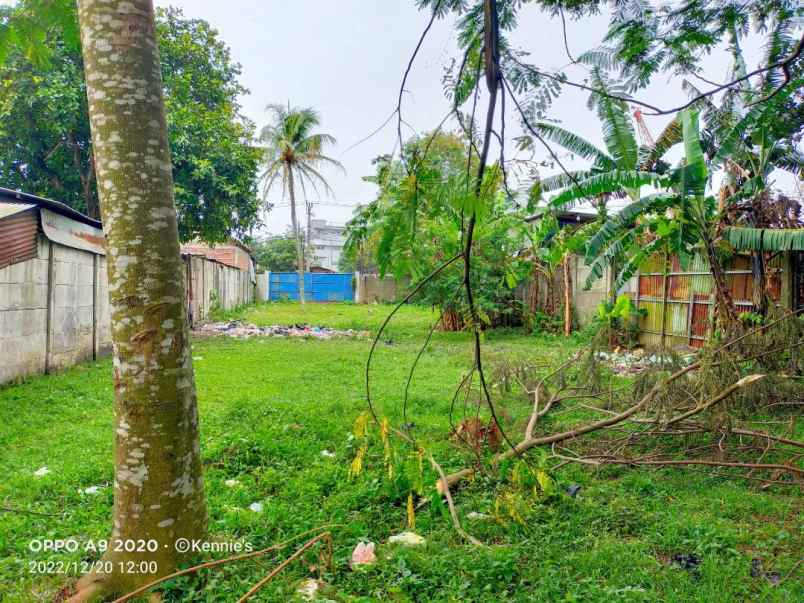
[{"x": 327, "y": 241}]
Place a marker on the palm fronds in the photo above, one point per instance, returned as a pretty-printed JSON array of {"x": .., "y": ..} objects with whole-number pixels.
[
  {"x": 574, "y": 144},
  {"x": 618, "y": 131},
  {"x": 607, "y": 182},
  {"x": 765, "y": 239}
]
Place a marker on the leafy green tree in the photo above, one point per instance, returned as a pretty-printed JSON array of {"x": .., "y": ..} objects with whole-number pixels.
[
  {"x": 294, "y": 153},
  {"x": 45, "y": 146},
  {"x": 277, "y": 254},
  {"x": 416, "y": 223}
]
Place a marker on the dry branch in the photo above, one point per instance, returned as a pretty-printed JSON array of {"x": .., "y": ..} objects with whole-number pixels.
[
  {"x": 218, "y": 562},
  {"x": 326, "y": 536},
  {"x": 745, "y": 381}
]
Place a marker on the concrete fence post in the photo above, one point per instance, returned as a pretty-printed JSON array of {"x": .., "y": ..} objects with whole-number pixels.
[
  {"x": 95, "y": 346},
  {"x": 358, "y": 289},
  {"x": 51, "y": 302},
  {"x": 268, "y": 286}
]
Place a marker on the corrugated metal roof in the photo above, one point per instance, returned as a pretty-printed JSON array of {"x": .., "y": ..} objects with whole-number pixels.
[
  {"x": 72, "y": 233},
  {"x": 18, "y": 237},
  {"x": 8, "y": 195},
  {"x": 9, "y": 209}
]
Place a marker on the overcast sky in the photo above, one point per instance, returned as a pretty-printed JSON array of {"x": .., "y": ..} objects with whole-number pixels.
[{"x": 346, "y": 59}]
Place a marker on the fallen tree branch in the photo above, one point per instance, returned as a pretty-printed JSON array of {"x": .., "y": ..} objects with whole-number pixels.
[
  {"x": 528, "y": 443},
  {"x": 325, "y": 536},
  {"x": 537, "y": 414},
  {"x": 456, "y": 522},
  {"x": 762, "y": 434},
  {"x": 769, "y": 466},
  {"x": 745, "y": 381},
  {"x": 217, "y": 562},
  {"x": 531, "y": 442}
]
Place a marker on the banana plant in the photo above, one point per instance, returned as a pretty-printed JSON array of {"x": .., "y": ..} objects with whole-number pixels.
[
  {"x": 680, "y": 221},
  {"x": 620, "y": 170}
]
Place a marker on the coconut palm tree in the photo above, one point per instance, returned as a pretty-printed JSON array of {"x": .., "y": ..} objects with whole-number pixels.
[{"x": 294, "y": 155}]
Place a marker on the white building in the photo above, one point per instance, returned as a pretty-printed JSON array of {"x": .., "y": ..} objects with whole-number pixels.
[{"x": 327, "y": 241}]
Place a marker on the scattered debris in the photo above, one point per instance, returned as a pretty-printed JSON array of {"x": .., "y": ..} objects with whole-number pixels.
[
  {"x": 232, "y": 483},
  {"x": 294, "y": 426},
  {"x": 328, "y": 454},
  {"x": 363, "y": 554},
  {"x": 41, "y": 472},
  {"x": 623, "y": 362},
  {"x": 687, "y": 561},
  {"x": 242, "y": 330},
  {"x": 407, "y": 539},
  {"x": 475, "y": 516},
  {"x": 89, "y": 490},
  {"x": 256, "y": 507},
  {"x": 757, "y": 571},
  {"x": 308, "y": 589},
  {"x": 573, "y": 489}
]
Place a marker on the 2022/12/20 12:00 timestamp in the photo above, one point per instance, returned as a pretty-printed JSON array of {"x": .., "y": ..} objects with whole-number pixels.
[{"x": 98, "y": 567}]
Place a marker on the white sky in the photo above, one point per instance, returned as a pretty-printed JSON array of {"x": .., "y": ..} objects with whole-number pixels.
[{"x": 346, "y": 59}]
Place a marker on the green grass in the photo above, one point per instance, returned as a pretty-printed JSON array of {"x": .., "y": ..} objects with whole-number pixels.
[{"x": 270, "y": 406}]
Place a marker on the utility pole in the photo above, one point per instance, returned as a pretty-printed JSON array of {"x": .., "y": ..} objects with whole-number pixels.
[{"x": 308, "y": 242}]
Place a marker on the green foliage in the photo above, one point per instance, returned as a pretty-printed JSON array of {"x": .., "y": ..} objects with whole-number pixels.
[
  {"x": 416, "y": 223},
  {"x": 277, "y": 254},
  {"x": 45, "y": 144},
  {"x": 765, "y": 239},
  {"x": 644, "y": 39},
  {"x": 214, "y": 159},
  {"x": 620, "y": 321},
  {"x": 611, "y": 542},
  {"x": 294, "y": 150},
  {"x": 680, "y": 221}
]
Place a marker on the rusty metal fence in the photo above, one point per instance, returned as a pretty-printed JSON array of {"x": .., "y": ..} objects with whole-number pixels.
[{"x": 679, "y": 302}]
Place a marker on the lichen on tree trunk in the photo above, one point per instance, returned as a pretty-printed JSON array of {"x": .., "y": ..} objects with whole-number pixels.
[{"x": 158, "y": 491}]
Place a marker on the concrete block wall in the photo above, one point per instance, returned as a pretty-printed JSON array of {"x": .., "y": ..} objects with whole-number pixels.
[
  {"x": 212, "y": 284},
  {"x": 370, "y": 289},
  {"x": 54, "y": 312},
  {"x": 73, "y": 312},
  {"x": 49, "y": 324},
  {"x": 23, "y": 316}
]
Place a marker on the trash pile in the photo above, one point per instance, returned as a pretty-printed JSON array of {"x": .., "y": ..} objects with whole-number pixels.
[
  {"x": 236, "y": 328},
  {"x": 625, "y": 362}
]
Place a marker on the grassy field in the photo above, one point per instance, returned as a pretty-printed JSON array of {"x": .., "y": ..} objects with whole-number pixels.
[{"x": 270, "y": 407}]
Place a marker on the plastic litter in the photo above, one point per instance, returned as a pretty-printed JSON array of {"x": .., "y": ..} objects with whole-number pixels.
[
  {"x": 407, "y": 539},
  {"x": 363, "y": 554},
  {"x": 242, "y": 330}
]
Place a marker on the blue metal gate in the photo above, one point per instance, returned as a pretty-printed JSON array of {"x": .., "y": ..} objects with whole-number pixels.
[{"x": 318, "y": 286}]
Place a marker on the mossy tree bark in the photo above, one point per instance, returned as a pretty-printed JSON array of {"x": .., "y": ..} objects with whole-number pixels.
[{"x": 158, "y": 491}]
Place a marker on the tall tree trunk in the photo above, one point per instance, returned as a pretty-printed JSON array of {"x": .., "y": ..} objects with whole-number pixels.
[
  {"x": 296, "y": 232},
  {"x": 567, "y": 297},
  {"x": 158, "y": 490},
  {"x": 759, "y": 276},
  {"x": 724, "y": 304}
]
